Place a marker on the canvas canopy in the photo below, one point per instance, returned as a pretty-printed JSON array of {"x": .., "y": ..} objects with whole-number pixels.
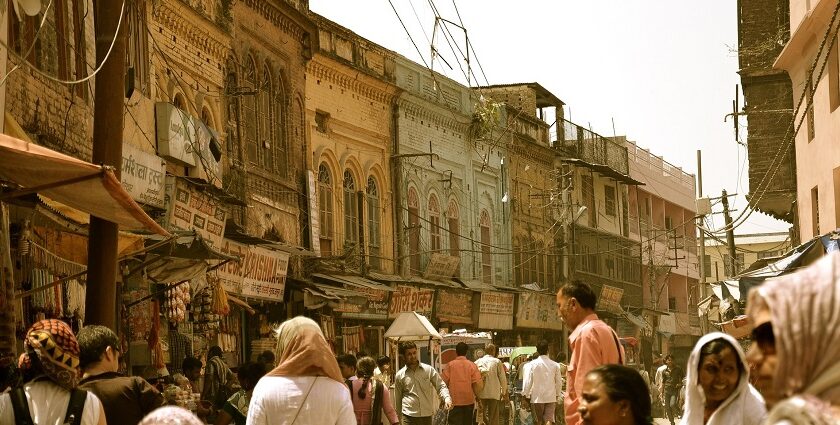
[
  {"x": 412, "y": 326},
  {"x": 86, "y": 187}
]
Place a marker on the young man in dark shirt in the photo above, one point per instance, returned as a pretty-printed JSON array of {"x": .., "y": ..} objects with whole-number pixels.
[{"x": 126, "y": 400}]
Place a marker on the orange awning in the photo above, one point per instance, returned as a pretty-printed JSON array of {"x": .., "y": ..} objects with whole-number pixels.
[{"x": 79, "y": 184}]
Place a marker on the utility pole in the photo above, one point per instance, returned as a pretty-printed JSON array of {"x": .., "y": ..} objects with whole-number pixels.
[
  {"x": 730, "y": 233},
  {"x": 702, "y": 248},
  {"x": 109, "y": 102}
]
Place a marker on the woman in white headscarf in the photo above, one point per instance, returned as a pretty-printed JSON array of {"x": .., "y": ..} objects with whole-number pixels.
[
  {"x": 718, "y": 389},
  {"x": 796, "y": 344}
]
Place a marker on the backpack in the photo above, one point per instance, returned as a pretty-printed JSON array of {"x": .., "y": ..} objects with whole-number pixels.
[{"x": 73, "y": 416}]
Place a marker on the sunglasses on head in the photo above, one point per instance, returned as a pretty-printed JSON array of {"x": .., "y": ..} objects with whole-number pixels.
[{"x": 763, "y": 334}]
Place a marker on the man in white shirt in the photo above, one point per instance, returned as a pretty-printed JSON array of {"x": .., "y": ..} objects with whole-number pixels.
[
  {"x": 543, "y": 384},
  {"x": 495, "y": 385},
  {"x": 414, "y": 388},
  {"x": 658, "y": 381}
]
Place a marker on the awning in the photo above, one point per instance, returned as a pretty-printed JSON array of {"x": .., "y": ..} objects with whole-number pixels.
[
  {"x": 604, "y": 170},
  {"x": 91, "y": 188},
  {"x": 355, "y": 281},
  {"x": 477, "y": 285},
  {"x": 236, "y": 233},
  {"x": 413, "y": 280},
  {"x": 411, "y": 326}
]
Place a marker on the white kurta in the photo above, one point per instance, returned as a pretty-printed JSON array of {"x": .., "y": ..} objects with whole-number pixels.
[
  {"x": 277, "y": 399},
  {"x": 50, "y": 405}
]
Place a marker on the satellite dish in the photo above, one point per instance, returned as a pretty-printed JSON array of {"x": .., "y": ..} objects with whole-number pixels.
[{"x": 29, "y": 7}]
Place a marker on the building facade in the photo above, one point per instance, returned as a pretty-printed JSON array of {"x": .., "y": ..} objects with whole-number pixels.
[{"x": 749, "y": 249}]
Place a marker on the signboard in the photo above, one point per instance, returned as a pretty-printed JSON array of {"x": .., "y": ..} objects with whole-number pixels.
[
  {"x": 610, "y": 299},
  {"x": 314, "y": 214},
  {"x": 538, "y": 311},
  {"x": 454, "y": 306},
  {"x": 143, "y": 176},
  {"x": 495, "y": 310},
  {"x": 206, "y": 164},
  {"x": 410, "y": 298},
  {"x": 374, "y": 305},
  {"x": 260, "y": 272},
  {"x": 189, "y": 209},
  {"x": 175, "y": 133},
  {"x": 441, "y": 267}
]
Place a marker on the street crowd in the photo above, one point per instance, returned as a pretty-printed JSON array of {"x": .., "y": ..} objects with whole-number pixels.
[{"x": 790, "y": 375}]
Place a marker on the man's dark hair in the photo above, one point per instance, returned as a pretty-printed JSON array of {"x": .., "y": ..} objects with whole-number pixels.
[
  {"x": 542, "y": 347},
  {"x": 93, "y": 341},
  {"x": 405, "y": 346},
  {"x": 382, "y": 361},
  {"x": 214, "y": 351},
  {"x": 461, "y": 348},
  {"x": 624, "y": 383},
  {"x": 266, "y": 356},
  {"x": 668, "y": 357},
  {"x": 582, "y": 292},
  {"x": 190, "y": 363},
  {"x": 347, "y": 360}
]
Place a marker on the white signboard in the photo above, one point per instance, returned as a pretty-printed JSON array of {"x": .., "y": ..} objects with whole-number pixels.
[
  {"x": 259, "y": 273},
  {"x": 189, "y": 209},
  {"x": 143, "y": 176},
  {"x": 208, "y": 168},
  {"x": 314, "y": 214},
  {"x": 175, "y": 133}
]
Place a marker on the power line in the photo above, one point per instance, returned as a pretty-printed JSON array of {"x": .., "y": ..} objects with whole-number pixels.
[{"x": 409, "y": 34}]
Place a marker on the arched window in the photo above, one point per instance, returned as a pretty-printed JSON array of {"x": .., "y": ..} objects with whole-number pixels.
[
  {"x": 264, "y": 118},
  {"x": 454, "y": 228},
  {"x": 281, "y": 156},
  {"x": 434, "y": 225},
  {"x": 351, "y": 209},
  {"x": 373, "y": 224},
  {"x": 486, "y": 256},
  {"x": 250, "y": 134},
  {"x": 231, "y": 86},
  {"x": 179, "y": 102},
  {"x": 325, "y": 203},
  {"x": 413, "y": 232}
]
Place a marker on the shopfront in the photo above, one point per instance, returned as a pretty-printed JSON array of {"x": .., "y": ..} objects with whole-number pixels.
[
  {"x": 537, "y": 319},
  {"x": 454, "y": 309}
]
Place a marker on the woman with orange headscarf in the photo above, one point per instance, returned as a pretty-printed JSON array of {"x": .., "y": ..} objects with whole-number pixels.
[{"x": 306, "y": 387}]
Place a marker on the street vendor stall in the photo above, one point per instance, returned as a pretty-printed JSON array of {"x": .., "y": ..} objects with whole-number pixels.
[{"x": 411, "y": 326}]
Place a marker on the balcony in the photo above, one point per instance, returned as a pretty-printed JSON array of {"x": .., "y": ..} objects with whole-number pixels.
[{"x": 594, "y": 150}]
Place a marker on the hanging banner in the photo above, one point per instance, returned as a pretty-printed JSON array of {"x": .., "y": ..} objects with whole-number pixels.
[
  {"x": 610, "y": 299},
  {"x": 455, "y": 306},
  {"x": 410, "y": 298},
  {"x": 314, "y": 214},
  {"x": 538, "y": 311},
  {"x": 143, "y": 176},
  {"x": 495, "y": 310},
  {"x": 189, "y": 209},
  {"x": 260, "y": 272},
  {"x": 373, "y": 306}
]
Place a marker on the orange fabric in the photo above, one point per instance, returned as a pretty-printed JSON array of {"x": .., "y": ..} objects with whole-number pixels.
[
  {"x": 459, "y": 376},
  {"x": 303, "y": 351}
]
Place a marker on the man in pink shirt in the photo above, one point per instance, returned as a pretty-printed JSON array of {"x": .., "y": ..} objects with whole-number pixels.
[
  {"x": 592, "y": 342},
  {"x": 464, "y": 381}
]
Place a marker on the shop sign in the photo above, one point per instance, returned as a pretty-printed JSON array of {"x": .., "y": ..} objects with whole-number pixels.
[
  {"x": 189, "y": 209},
  {"x": 143, "y": 176},
  {"x": 668, "y": 324},
  {"x": 454, "y": 306},
  {"x": 175, "y": 133},
  {"x": 410, "y": 298},
  {"x": 538, "y": 311},
  {"x": 610, "y": 299},
  {"x": 495, "y": 310},
  {"x": 441, "y": 267},
  {"x": 260, "y": 272},
  {"x": 206, "y": 164},
  {"x": 314, "y": 214},
  {"x": 373, "y": 305}
]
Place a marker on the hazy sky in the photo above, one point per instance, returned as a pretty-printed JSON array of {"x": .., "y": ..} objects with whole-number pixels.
[{"x": 664, "y": 71}]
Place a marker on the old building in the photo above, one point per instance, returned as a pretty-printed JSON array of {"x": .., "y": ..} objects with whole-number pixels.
[
  {"x": 661, "y": 218},
  {"x": 762, "y": 32},
  {"x": 749, "y": 249}
]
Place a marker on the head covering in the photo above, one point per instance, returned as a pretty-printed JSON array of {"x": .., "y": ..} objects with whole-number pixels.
[
  {"x": 744, "y": 406},
  {"x": 805, "y": 315},
  {"x": 170, "y": 415},
  {"x": 303, "y": 351},
  {"x": 52, "y": 342}
]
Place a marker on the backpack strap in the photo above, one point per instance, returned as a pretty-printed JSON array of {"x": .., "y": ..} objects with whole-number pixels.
[
  {"x": 20, "y": 407},
  {"x": 75, "y": 407},
  {"x": 617, "y": 347}
]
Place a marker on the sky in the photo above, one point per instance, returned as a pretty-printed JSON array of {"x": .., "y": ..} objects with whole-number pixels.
[{"x": 663, "y": 73}]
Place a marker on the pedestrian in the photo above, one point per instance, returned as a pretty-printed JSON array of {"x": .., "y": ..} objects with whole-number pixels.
[
  {"x": 592, "y": 341},
  {"x": 50, "y": 369},
  {"x": 464, "y": 382},
  {"x": 235, "y": 409},
  {"x": 180, "y": 347},
  {"x": 219, "y": 380},
  {"x": 190, "y": 372},
  {"x": 495, "y": 390},
  {"x": 126, "y": 399},
  {"x": 718, "y": 391},
  {"x": 266, "y": 358},
  {"x": 415, "y": 386},
  {"x": 371, "y": 397},
  {"x": 672, "y": 379},
  {"x": 613, "y": 394},
  {"x": 659, "y": 398},
  {"x": 796, "y": 344},
  {"x": 347, "y": 366},
  {"x": 306, "y": 387},
  {"x": 383, "y": 370},
  {"x": 543, "y": 386},
  {"x": 171, "y": 415}
]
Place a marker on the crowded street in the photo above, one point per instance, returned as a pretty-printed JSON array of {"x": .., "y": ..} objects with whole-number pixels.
[{"x": 399, "y": 212}]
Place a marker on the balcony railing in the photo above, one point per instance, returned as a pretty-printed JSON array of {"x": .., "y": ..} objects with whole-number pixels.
[{"x": 591, "y": 147}]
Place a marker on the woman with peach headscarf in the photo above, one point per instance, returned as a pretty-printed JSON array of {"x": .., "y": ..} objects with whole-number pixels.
[
  {"x": 306, "y": 387},
  {"x": 796, "y": 344}
]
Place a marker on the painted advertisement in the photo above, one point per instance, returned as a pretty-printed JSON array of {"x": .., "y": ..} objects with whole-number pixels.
[
  {"x": 175, "y": 134},
  {"x": 411, "y": 298},
  {"x": 538, "y": 311},
  {"x": 143, "y": 176},
  {"x": 189, "y": 209},
  {"x": 259, "y": 273},
  {"x": 455, "y": 306},
  {"x": 373, "y": 306},
  {"x": 495, "y": 310}
]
